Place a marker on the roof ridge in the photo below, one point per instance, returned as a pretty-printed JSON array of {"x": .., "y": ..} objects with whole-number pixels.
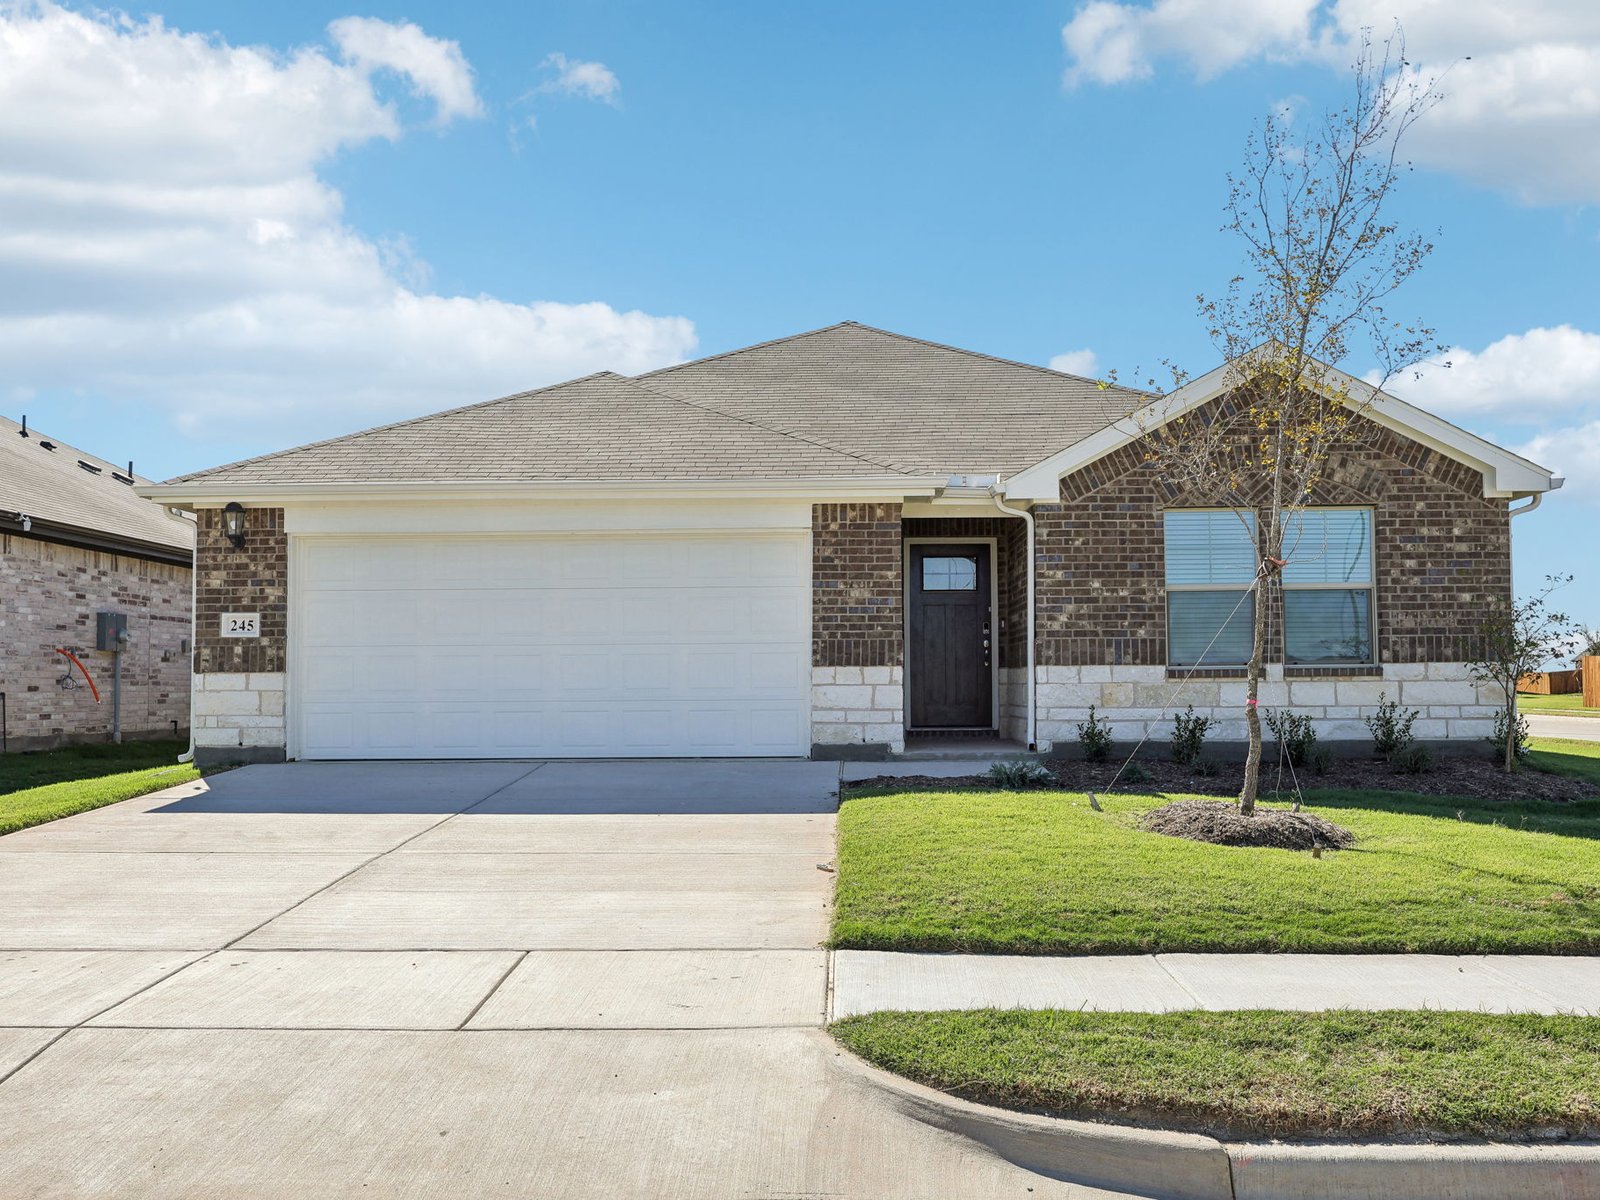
[
  {"x": 994, "y": 358},
  {"x": 359, "y": 433},
  {"x": 793, "y": 435},
  {"x": 788, "y": 337}
]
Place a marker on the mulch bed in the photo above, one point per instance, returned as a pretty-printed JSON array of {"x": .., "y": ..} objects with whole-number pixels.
[
  {"x": 1222, "y": 824},
  {"x": 1468, "y": 776}
]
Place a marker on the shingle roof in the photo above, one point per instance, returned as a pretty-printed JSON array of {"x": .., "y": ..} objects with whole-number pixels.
[
  {"x": 844, "y": 401},
  {"x": 599, "y": 427},
  {"x": 41, "y": 478}
]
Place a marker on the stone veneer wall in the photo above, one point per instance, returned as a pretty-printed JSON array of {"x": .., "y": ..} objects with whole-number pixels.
[
  {"x": 1442, "y": 552},
  {"x": 49, "y": 594},
  {"x": 858, "y": 626},
  {"x": 239, "y": 689}
]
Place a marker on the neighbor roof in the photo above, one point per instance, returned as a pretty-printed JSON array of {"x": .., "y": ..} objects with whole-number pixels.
[
  {"x": 842, "y": 402},
  {"x": 75, "y": 496}
]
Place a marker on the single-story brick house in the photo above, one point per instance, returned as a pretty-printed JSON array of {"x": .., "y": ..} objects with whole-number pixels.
[
  {"x": 815, "y": 545},
  {"x": 75, "y": 541}
]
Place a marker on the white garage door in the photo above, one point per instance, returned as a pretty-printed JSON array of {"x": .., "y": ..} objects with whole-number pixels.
[{"x": 551, "y": 646}]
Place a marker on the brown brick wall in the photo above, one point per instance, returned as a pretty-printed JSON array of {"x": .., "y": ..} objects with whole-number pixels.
[
  {"x": 252, "y": 578},
  {"x": 857, "y": 605},
  {"x": 1441, "y": 553},
  {"x": 49, "y": 595},
  {"x": 1010, "y": 567}
]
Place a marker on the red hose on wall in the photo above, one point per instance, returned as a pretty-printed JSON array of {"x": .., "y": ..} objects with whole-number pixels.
[{"x": 93, "y": 691}]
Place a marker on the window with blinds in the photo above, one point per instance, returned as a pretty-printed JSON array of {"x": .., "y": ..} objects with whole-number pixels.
[
  {"x": 1211, "y": 557},
  {"x": 1328, "y": 586}
]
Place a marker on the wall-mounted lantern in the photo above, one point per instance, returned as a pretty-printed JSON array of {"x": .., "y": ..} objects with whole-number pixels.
[{"x": 233, "y": 522}]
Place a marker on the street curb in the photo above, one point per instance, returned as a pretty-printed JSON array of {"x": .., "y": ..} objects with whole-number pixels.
[
  {"x": 1173, "y": 1166},
  {"x": 1191, "y": 1166}
]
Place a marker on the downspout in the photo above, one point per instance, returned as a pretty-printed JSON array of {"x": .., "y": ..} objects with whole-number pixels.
[
  {"x": 194, "y": 643},
  {"x": 1027, "y": 520}
]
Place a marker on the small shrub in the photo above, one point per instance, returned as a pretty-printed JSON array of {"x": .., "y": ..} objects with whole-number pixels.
[
  {"x": 1133, "y": 773},
  {"x": 1319, "y": 759},
  {"x": 1412, "y": 759},
  {"x": 1096, "y": 738},
  {"x": 1499, "y": 738},
  {"x": 1294, "y": 734},
  {"x": 1189, "y": 735},
  {"x": 1206, "y": 767},
  {"x": 1391, "y": 726},
  {"x": 1022, "y": 776}
]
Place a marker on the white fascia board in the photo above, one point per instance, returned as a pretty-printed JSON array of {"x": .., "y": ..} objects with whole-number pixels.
[
  {"x": 213, "y": 493},
  {"x": 1505, "y": 474}
]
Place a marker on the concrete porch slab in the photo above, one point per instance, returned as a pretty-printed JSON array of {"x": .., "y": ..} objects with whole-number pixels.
[
  {"x": 674, "y": 786},
  {"x": 647, "y": 989},
  {"x": 867, "y": 981},
  {"x": 66, "y": 987},
  {"x": 318, "y": 989},
  {"x": 91, "y": 901}
]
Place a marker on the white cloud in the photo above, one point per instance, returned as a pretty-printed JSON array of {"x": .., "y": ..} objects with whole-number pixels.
[
  {"x": 437, "y": 69},
  {"x": 1543, "y": 373},
  {"x": 165, "y": 237},
  {"x": 590, "y": 80},
  {"x": 1076, "y": 362},
  {"x": 1546, "y": 379},
  {"x": 1521, "y": 105}
]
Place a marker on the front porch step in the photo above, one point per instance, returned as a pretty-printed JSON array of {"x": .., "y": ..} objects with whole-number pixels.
[{"x": 979, "y": 750}]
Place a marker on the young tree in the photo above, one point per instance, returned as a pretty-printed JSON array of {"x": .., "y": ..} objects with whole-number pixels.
[
  {"x": 1517, "y": 638},
  {"x": 1321, "y": 257}
]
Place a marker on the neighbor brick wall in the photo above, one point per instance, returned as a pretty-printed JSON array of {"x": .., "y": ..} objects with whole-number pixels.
[
  {"x": 49, "y": 595},
  {"x": 252, "y": 578},
  {"x": 1442, "y": 552},
  {"x": 857, "y": 605}
]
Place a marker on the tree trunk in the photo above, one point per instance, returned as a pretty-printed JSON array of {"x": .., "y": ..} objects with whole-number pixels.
[
  {"x": 1511, "y": 730},
  {"x": 1252, "y": 713}
]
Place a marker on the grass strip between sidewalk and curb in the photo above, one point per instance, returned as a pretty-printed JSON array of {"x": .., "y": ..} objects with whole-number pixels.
[
  {"x": 1259, "y": 1074},
  {"x": 980, "y": 871}
]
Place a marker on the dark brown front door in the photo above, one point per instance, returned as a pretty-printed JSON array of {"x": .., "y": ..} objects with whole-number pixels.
[{"x": 951, "y": 638}]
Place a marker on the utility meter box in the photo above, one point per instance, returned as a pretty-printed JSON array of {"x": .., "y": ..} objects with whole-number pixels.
[{"x": 110, "y": 630}]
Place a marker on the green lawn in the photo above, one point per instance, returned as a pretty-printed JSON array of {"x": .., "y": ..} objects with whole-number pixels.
[
  {"x": 42, "y": 786},
  {"x": 1041, "y": 873},
  {"x": 1563, "y": 756},
  {"x": 1570, "y": 705},
  {"x": 1259, "y": 1074}
]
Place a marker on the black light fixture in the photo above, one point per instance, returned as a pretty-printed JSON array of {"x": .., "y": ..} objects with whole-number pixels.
[{"x": 233, "y": 522}]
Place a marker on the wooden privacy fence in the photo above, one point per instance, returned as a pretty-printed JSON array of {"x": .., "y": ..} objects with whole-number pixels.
[
  {"x": 1549, "y": 683},
  {"x": 1590, "y": 665}
]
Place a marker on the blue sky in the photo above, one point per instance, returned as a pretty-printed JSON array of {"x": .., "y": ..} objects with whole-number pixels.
[{"x": 235, "y": 228}]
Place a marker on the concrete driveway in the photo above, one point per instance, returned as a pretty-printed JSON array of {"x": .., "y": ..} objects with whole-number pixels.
[{"x": 463, "y": 979}]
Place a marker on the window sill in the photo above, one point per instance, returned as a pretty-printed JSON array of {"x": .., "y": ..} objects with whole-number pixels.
[{"x": 1334, "y": 671}]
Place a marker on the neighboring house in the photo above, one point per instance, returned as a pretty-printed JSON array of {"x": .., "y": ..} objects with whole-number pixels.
[
  {"x": 815, "y": 545},
  {"x": 77, "y": 540}
]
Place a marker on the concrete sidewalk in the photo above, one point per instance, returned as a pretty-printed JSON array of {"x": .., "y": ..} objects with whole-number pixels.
[{"x": 867, "y": 981}]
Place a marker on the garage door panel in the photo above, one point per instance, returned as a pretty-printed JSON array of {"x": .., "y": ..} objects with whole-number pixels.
[{"x": 555, "y": 646}]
